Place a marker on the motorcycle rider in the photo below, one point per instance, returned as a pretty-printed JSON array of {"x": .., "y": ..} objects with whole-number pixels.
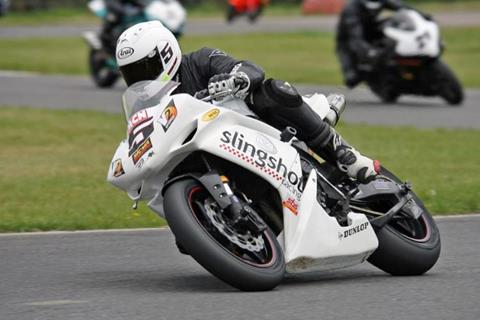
[
  {"x": 357, "y": 29},
  {"x": 148, "y": 51},
  {"x": 116, "y": 10}
]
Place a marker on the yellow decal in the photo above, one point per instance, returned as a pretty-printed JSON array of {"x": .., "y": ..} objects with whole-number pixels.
[
  {"x": 211, "y": 114},
  {"x": 147, "y": 145}
]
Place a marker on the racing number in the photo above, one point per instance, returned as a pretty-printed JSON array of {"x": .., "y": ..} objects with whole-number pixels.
[
  {"x": 166, "y": 54},
  {"x": 139, "y": 134},
  {"x": 421, "y": 39}
]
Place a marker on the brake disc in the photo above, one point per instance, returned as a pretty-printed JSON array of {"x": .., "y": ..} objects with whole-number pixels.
[{"x": 245, "y": 241}]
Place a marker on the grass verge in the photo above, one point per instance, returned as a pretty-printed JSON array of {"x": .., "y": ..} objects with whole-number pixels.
[
  {"x": 54, "y": 165},
  {"x": 302, "y": 57}
]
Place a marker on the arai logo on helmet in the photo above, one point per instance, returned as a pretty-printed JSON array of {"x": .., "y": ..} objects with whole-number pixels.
[{"x": 125, "y": 53}]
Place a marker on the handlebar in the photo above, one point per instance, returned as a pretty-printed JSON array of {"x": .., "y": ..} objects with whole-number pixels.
[{"x": 204, "y": 95}]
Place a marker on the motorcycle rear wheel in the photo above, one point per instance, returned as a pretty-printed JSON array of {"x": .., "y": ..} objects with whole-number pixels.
[
  {"x": 409, "y": 247},
  {"x": 185, "y": 209}
]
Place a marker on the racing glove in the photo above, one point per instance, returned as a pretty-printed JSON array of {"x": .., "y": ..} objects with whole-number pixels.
[{"x": 236, "y": 83}]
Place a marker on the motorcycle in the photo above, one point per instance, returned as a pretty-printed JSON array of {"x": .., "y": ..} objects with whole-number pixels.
[
  {"x": 4, "y": 6},
  {"x": 102, "y": 63},
  {"x": 249, "y": 202},
  {"x": 412, "y": 64},
  {"x": 251, "y": 8}
]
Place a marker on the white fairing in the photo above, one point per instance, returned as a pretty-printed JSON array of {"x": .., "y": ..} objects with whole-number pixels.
[
  {"x": 169, "y": 12},
  {"x": 311, "y": 238},
  {"x": 97, "y": 7},
  {"x": 420, "y": 38}
]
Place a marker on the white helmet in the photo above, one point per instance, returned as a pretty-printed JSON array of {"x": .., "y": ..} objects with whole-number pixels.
[{"x": 148, "y": 51}]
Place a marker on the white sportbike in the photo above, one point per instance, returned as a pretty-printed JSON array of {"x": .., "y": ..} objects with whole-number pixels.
[
  {"x": 413, "y": 62},
  {"x": 249, "y": 202}
]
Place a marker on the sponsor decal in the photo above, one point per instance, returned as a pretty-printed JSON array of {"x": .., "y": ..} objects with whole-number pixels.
[
  {"x": 236, "y": 144},
  {"x": 138, "y": 118},
  {"x": 291, "y": 205},
  {"x": 144, "y": 147},
  {"x": 211, "y": 114},
  {"x": 118, "y": 168},
  {"x": 168, "y": 116},
  {"x": 139, "y": 130},
  {"x": 216, "y": 53},
  {"x": 140, "y": 163},
  {"x": 350, "y": 232},
  {"x": 236, "y": 68},
  {"x": 125, "y": 53}
]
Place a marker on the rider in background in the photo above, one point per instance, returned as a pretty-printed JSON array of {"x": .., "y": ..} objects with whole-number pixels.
[
  {"x": 116, "y": 10},
  {"x": 356, "y": 32},
  {"x": 149, "y": 51},
  {"x": 251, "y": 8}
]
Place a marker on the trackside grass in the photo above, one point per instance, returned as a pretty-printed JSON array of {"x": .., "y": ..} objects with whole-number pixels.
[
  {"x": 54, "y": 165},
  {"x": 304, "y": 57}
]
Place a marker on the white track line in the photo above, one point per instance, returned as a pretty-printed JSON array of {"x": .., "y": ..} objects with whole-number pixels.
[
  {"x": 18, "y": 74},
  {"x": 80, "y": 232}
]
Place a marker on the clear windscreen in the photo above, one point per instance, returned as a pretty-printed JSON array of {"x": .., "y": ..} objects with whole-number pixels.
[{"x": 145, "y": 94}]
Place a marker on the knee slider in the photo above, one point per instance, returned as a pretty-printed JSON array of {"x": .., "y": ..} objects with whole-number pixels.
[{"x": 274, "y": 94}]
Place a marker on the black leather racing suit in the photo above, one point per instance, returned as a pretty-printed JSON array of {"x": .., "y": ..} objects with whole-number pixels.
[
  {"x": 276, "y": 102},
  {"x": 356, "y": 30}
]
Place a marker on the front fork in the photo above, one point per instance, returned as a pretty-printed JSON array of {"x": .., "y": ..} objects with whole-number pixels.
[{"x": 239, "y": 214}]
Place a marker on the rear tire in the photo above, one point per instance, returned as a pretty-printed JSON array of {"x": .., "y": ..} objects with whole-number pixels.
[
  {"x": 411, "y": 249},
  {"x": 212, "y": 249}
]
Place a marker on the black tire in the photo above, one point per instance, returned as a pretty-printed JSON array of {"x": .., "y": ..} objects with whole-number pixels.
[
  {"x": 449, "y": 87},
  {"x": 409, "y": 248},
  {"x": 103, "y": 75},
  {"x": 385, "y": 93},
  {"x": 205, "y": 245}
]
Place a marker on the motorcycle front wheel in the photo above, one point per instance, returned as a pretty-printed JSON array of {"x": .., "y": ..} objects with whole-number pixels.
[
  {"x": 449, "y": 87},
  {"x": 241, "y": 259},
  {"x": 407, "y": 246}
]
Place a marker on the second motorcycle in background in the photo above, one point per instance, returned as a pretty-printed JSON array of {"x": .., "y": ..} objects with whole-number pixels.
[{"x": 102, "y": 64}]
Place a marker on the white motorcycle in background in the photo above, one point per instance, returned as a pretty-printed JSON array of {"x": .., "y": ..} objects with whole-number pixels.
[
  {"x": 412, "y": 64},
  {"x": 103, "y": 66},
  {"x": 249, "y": 202},
  {"x": 4, "y": 6}
]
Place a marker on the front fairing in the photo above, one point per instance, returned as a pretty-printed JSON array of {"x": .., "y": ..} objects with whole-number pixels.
[{"x": 155, "y": 131}]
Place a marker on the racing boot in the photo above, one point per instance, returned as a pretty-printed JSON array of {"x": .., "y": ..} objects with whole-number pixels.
[{"x": 348, "y": 159}]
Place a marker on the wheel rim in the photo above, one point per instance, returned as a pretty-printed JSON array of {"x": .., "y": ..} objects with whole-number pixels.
[
  {"x": 265, "y": 257},
  {"x": 417, "y": 230}
]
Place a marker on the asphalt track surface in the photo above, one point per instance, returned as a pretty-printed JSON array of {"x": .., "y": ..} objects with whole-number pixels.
[
  {"x": 138, "y": 275},
  {"x": 209, "y": 26},
  {"x": 63, "y": 92}
]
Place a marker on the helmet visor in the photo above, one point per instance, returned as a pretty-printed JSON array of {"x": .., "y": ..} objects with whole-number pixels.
[{"x": 148, "y": 68}]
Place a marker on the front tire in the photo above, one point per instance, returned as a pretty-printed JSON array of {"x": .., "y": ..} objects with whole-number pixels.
[
  {"x": 184, "y": 205},
  {"x": 409, "y": 247},
  {"x": 449, "y": 87},
  {"x": 102, "y": 74}
]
